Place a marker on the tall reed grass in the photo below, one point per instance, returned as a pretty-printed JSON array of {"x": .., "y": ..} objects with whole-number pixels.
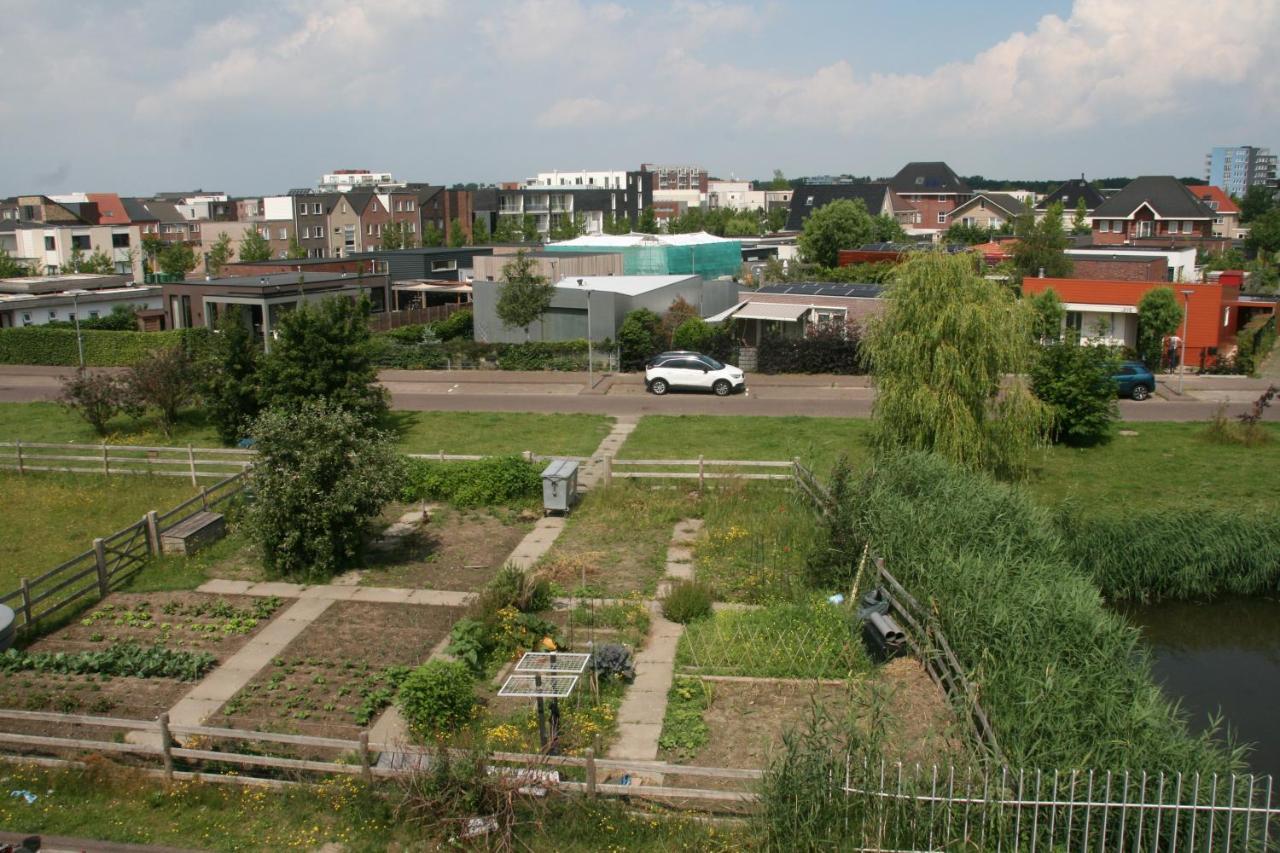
[{"x": 1066, "y": 682}]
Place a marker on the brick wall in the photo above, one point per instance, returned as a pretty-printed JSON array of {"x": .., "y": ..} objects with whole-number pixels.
[{"x": 1145, "y": 269}]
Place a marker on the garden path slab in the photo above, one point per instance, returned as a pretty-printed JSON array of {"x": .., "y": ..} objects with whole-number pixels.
[
  {"x": 536, "y": 542},
  {"x": 592, "y": 471}
]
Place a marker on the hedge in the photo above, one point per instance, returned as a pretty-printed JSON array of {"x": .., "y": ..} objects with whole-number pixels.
[
  {"x": 392, "y": 350},
  {"x": 39, "y": 345},
  {"x": 1254, "y": 342},
  {"x": 823, "y": 350}
]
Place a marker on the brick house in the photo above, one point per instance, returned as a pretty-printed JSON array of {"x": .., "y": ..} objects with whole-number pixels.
[
  {"x": 1226, "y": 213},
  {"x": 933, "y": 189},
  {"x": 987, "y": 210},
  {"x": 1152, "y": 207},
  {"x": 311, "y": 212}
]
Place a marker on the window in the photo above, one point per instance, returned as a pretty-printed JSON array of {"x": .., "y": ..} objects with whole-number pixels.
[
  {"x": 942, "y": 216},
  {"x": 119, "y": 241},
  {"x": 1188, "y": 227},
  {"x": 408, "y": 205},
  {"x": 370, "y": 229},
  {"x": 26, "y": 319},
  {"x": 344, "y": 207},
  {"x": 122, "y": 268},
  {"x": 93, "y": 315},
  {"x": 1104, "y": 226},
  {"x": 1144, "y": 228},
  {"x": 443, "y": 266},
  {"x": 1226, "y": 315},
  {"x": 53, "y": 315},
  {"x": 81, "y": 242},
  {"x": 808, "y": 202},
  {"x": 282, "y": 234},
  {"x": 48, "y": 244},
  {"x": 413, "y": 228},
  {"x": 1074, "y": 321},
  {"x": 315, "y": 208},
  {"x": 1217, "y": 220},
  {"x": 319, "y": 232}
]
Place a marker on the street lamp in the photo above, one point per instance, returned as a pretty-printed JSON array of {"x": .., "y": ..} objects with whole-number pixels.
[
  {"x": 75, "y": 295},
  {"x": 588, "y": 333},
  {"x": 1186, "y": 315}
]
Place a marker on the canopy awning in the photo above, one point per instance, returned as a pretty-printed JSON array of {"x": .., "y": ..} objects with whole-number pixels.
[
  {"x": 724, "y": 315},
  {"x": 1100, "y": 309},
  {"x": 787, "y": 312},
  {"x": 428, "y": 287}
]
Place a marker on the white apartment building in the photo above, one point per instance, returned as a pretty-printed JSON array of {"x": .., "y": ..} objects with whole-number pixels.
[
  {"x": 49, "y": 246},
  {"x": 345, "y": 180},
  {"x": 609, "y": 180},
  {"x": 738, "y": 195}
]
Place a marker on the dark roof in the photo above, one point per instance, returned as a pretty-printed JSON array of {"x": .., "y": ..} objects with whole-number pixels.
[
  {"x": 135, "y": 210},
  {"x": 1069, "y": 195},
  {"x": 825, "y": 288},
  {"x": 179, "y": 196},
  {"x": 928, "y": 177},
  {"x": 1164, "y": 194},
  {"x": 160, "y": 211},
  {"x": 281, "y": 279},
  {"x": 871, "y": 194},
  {"x": 429, "y": 250},
  {"x": 1003, "y": 201}
]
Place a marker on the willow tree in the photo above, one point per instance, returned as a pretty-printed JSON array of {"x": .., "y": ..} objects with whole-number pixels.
[{"x": 948, "y": 357}]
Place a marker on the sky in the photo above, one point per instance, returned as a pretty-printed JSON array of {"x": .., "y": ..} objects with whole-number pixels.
[{"x": 259, "y": 96}]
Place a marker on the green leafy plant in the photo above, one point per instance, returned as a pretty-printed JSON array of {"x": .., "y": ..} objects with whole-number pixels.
[
  {"x": 613, "y": 661},
  {"x": 471, "y": 642},
  {"x": 121, "y": 659},
  {"x": 1075, "y": 381},
  {"x": 492, "y": 481},
  {"x": 687, "y": 601},
  {"x": 683, "y": 729},
  {"x": 514, "y": 587},
  {"x": 437, "y": 698}
]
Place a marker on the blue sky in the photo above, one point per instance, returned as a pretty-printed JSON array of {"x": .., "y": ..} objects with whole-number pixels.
[{"x": 257, "y": 97}]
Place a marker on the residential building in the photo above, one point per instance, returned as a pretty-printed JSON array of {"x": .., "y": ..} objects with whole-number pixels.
[
  {"x": 1069, "y": 195},
  {"x": 987, "y": 210},
  {"x": 311, "y": 212},
  {"x": 878, "y": 197},
  {"x": 51, "y": 246},
  {"x": 552, "y": 266},
  {"x": 663, "y": 254},
  {"x": 1152, "y": 206},
  {"x": 1236, "y": 168},
  {"x": 933, "y": 189},
  {"x": 550, "y": 208},
  {"x": 794, "y": 309},
  {"x": 603, "y": 301},
  {"x": 607, "y": 180},
  {"x": 880, "y": 253},
  {"x": 676, "y": 177},
  {"x": 349, "y": 266},
  {"x": 1162, "y": 264},
  {"x": 1226, "y": 213},
  {"x": 44, "y": 299},
  {"x": 265, "y": 299},
  {"x": 436, "y": 263},
  {"x": 345, "y": 180},
  {"x": 739, "y": 195}
]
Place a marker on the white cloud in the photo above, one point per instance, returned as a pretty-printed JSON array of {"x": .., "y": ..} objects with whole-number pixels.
[{"x": 586, "y": 112}]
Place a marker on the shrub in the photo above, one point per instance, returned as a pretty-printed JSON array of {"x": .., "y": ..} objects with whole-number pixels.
[
  {"x": 687, "y": 601},
  {"x": 826, "y": 349},
  {"x": 514, "y": 587},
  {"x": 692, "y": 334},
  {"x": 42, "y": 345},
  {"x": 229, "y": 376},
  {"x": 163, "y": 380},
  {"x": 1075, "y": 381},
  {"x": 321, "y": 475},
  {"x": 492, "y": 481},
  {"x": 471, "y": 642},
  {"x": 437, "y": 698},
  {"x": 96, "y": 397},
  {"x": 613, "y": 660},
  {"x": 834, "y": 561},
  {"x": 1254, "y": 343},
  {"x": 639, "y": 337},
  {"x": 459, "y": 324}
]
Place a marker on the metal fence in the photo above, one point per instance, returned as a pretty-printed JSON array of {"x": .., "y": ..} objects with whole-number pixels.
[{"x": 890, "y": 807}]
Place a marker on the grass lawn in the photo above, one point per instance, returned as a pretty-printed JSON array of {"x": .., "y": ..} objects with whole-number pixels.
[
  {"x": 500, "y": 432},
  {"x": 817, "y": 441},
  {"x": 1165, "y": 465},
  {"x": 50, "y": 517},
  {"x": 49, "y": 422}
]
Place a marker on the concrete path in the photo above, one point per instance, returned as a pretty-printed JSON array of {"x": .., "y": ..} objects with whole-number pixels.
[
  {"x": 591, "y": 473},
  {"x": 645, "y": 704},
  {"x": 339, "y": 592},
  {"x": 537, "y": 542}
]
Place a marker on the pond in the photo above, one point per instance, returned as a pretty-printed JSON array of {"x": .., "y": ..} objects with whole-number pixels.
[{"x": 1223, "y": 657}]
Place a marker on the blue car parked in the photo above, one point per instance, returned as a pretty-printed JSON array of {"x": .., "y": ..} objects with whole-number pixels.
[{"x": 1134, "y": 380}]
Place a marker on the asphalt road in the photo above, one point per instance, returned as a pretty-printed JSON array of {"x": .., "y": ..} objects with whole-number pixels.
[{"x": 822, "y": 396}]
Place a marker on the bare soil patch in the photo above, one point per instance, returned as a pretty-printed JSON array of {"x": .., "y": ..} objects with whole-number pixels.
[
  {"x": 454, "y": 550},
  {"x": 341, "y": 672}
]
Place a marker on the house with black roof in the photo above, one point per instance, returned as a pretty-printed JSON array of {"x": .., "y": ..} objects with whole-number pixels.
[
  {"x": 1152, "y": 207},
  {"x": 878, "y": 197},
  {"x": 1069, "y": 195},
  {"x": 933, "y": 189},
  {"x": 988, "y": 210}
]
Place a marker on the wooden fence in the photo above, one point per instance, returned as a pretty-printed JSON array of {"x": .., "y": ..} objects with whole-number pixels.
[
  {"x": 157, "y": 739},
  {"x": 388, "y": 320},
  {"x": 111, "y": 560},
  {"x": 189, "y": 461}
]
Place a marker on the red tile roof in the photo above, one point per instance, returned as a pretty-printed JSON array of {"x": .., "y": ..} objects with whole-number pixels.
[
  {"x": 1208, "y": 194},
  {"x": 110, "y": 209}
]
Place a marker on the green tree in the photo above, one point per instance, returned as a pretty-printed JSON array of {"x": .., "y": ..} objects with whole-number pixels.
[
  {"x": 568, "y": 227},
  {"x": 648, "y": 223},
  {"x": 1264, "y": 232},
  {"x": 254, "y": 247},
  {"x": 177, "y": 260},
  {"x": 507, "y": 231},
  {"x": 639, "y": 337},
  {"x": 152, "y": 246},
  {"x": 393, "y": 234},
  {"x": 220, "y": 254},
  {"x": 1041, "y": 245},
  {"x": 457, "y": 234},
  {"x": 620, "y": 225},
  {"x": 1079, "y": 225},
  {"x": 743, "y": 225},
  {"x": 295, "y": 251},
  {"x": 323, "y": 349},
  {"x": 947, "y": 355},
  {"x": 229, "y": 375},
  {"x": 99, "y": 263},
  {"x": 1047, "y": 314},
  {"x": 432, "y": 236},
  {"x": 1159, "y": 316},
  {"x": 888, "y": 229},
  {"x": 966, "y": 235},
  {"x": 1076, "y": 383},
  {"x": 524, "y": 296},
  {"x": 779, "y": 181},
  {"x": 10, "y": 267},
  {"x": 1257, "y": 201},
  {"x": 322, "y": 473},
  {"x": 163, "y": 380},
  {"x": 480, "y": 235},
  {"x": 529, "y": 232},
  {"x": 842, "y": 224},
  {"x": 693, "y": 334},
  {"x": 74, "y": 261},
  {"x": 776, "y": 219},
  {"x": 96, "y": 397}
]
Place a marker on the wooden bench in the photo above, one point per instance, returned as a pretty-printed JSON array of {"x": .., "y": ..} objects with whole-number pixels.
[{"x": 192, "y": 534}]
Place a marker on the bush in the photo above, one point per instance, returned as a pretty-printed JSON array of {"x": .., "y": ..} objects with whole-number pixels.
[
  {"x": 639, "y": 337},
  {"x": 96, "y": 397},
  {"x": 41, "y": 345},
  {"x": 1254, "y": 343},
  {"x": 687, "y": 601},
  {"x": 437, "y": 698},
  {"x": 165, "y": 381},
  {"x": 826, "y": 349},
  {"x": 1075, "y": 381},
  {"x": 492, "y": 481},
  {"x": 513, "y": 587},
  {"x": 320, "y": 476},
  {"x": 459, "y": 324},
  {"x": 692, "y": 334},
  {"x": 613, "y": 660},
  {"x": 405, "y": 349},
  {"x": 471, "y": 642}
]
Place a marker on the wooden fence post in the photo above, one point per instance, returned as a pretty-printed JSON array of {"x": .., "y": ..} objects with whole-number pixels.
[
  {"x": 100, "y": 557},
  {"x": 204, "y": 499},
  {"x": 528, "y": 455},
  {"x": 591, "y": 772},
  {"x": 191, "y": 463},
  {"x": 700, "y": 472},
  {"x": 441, "y": 455},
  {"x": 608, "y": 470},
  {"x": 106, "y": 464},
  {"x": 26, "y": 601},
  {"x": 153, "y": 533},
  {"x": 366, "y": 772},
  {"x": 166, "y": 747},
  {"x": 20, "y": 471}
]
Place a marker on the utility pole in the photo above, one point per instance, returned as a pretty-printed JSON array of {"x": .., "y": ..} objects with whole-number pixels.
[{"x": 1186, "y": 316}]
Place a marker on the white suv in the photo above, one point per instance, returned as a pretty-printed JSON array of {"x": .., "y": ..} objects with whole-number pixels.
[{"x": 692, "y": 370}]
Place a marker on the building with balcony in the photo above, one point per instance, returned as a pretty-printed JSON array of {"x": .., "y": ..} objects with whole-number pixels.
[{"x": 1236, "y": 168}]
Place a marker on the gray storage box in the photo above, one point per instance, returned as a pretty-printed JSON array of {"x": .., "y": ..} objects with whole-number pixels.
[{"x": 560, "y": 485}]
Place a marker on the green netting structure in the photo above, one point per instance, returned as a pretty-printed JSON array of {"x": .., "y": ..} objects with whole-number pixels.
[{"x": 710, "y": 259}]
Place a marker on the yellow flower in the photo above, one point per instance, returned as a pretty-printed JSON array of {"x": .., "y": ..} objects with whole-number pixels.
[{"x": 548, "y": 644}]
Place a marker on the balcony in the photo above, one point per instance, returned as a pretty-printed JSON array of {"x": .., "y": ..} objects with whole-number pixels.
[{"x": 536, "y": 207}]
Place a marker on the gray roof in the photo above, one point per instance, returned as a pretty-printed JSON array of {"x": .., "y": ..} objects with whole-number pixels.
[
  {"x": 870, "y": 194},
  {"x": 1003, "y": 201},
  {"x": 1164, "y": 194},
  {"x": 1069, "y": 195},
  {"x": 283, "y": 279},
  {"x": 161, "y": 211},
  {"x": 928, "y": 177}
]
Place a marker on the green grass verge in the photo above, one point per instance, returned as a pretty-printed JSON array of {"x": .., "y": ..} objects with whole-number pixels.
[
  {"x": 51, "y": 517},
  {"x": 50, "y": 422}
]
